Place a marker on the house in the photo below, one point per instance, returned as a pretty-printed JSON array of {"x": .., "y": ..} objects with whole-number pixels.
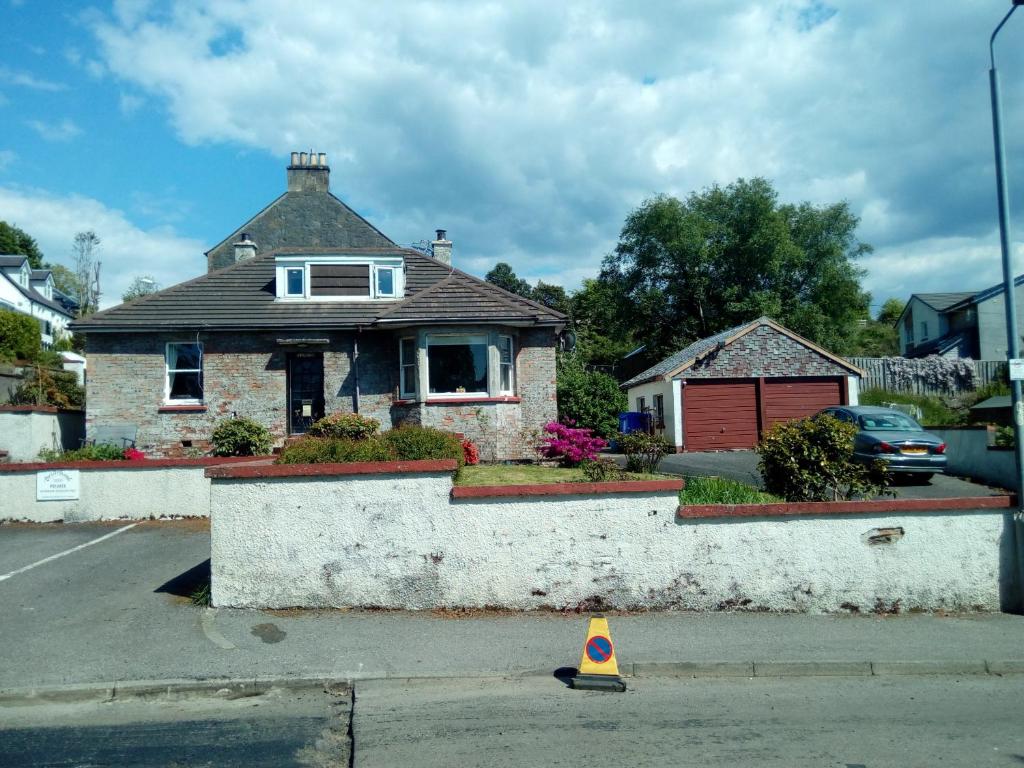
[
  {"x": 960, "y": 324},
  {"x": 724, "y": 391},
  {"x": 32, "y": 292},
  {"x": 308, "y": 309}
]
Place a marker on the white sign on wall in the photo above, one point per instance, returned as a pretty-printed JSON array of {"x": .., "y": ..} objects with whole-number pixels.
[
  {"x": 57, "y": 485},
  {"x": 1016, "y": 369}
]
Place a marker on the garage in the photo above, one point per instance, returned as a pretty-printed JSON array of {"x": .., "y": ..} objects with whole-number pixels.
[{"x": 723, "y": 392}]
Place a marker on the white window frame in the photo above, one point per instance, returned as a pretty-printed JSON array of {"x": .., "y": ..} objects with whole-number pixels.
[
  {"x": 433, "y": 339},
  {"x": 641, "y": 405},
  {"x": 658, "y": 410},
  {"x": 407, "y": 388},
  {"x": 305, "y": 261},
  {"x": 168, "y": 371},
  {"x": 510, "y": 365}
]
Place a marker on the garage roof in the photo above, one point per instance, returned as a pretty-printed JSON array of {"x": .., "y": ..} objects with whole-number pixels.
[{"x": 675, "y": 364}]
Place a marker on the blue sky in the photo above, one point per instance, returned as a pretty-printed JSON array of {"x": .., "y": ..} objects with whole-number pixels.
[{"x": 527, "y": 130}]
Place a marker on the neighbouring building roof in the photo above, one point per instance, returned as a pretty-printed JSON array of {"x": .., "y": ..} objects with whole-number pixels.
[
  {"x": 940, "y": 302},
  {"x": 684, "y": 358},
  {"x": 30, "y": 293},
  {"x": 242, "y": 296}
]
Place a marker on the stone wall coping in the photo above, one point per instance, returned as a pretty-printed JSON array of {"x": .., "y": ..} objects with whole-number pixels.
[
  {"x": 181, "y": 409},
  {"x": 205, "y": 461},
  {"x": 565, "y": 489},
  {"x": 257, "y": 471},
  {"x": 819, "y": 508},
  {"x": 37, "y": 409}
]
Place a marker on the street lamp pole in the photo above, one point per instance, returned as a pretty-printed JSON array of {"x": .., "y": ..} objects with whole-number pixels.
[{"x": 1009, "y": 287}]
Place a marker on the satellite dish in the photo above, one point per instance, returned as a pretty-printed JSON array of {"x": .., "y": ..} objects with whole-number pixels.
[{"x": 568, "y": 341}]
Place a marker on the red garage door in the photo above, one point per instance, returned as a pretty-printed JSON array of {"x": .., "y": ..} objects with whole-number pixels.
[
  {"x": 719, "y": 414},
  {"x": 786, "y": 399}
]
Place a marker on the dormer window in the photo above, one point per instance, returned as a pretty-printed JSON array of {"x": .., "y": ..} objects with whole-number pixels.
[{"x": 339, "y": 278}]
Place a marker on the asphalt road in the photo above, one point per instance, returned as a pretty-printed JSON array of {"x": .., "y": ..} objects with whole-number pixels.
[
  {"x": 742, "y": 466},
  {"x": 275, "y": 730},
  {"x": 842, "y": 722}
]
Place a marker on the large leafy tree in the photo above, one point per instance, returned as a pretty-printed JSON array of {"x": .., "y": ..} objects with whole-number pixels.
[
  {"x": 505, "y": 277},
  {"x": 686, "y": 269},
  {"x": 16, "y": 241},
  {"x": 879, "y": 337}
]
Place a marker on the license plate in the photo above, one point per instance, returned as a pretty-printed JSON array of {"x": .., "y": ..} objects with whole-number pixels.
[{"x": 914, "y": 451}]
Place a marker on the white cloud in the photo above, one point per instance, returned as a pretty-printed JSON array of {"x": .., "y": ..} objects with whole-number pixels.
[
  {"x": 126, "y": 251},
  {"x": 65, "y": 130},
  {"x": 28, "y": 80},
  {"x": 7, "y": 158},
  {"x": 529, "y": 130}
]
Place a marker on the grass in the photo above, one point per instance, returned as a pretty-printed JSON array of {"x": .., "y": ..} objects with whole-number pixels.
[
  {"x": 719, "y": 490},
  {"x": 201, "y": 595},
  {"x": 529, "y": 474}
]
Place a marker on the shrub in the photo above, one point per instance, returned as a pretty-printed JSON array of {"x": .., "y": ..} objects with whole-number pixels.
[
  {"x": 102, "y": 452},
  {"x": 719, "y": 490},
  {"x": 414, "y": 443},
  {"x": 347, "y": 425},
  {"x": 333, "y": 450},
  {"x": 588, "y": 399},
  {"x": 812, "y": 460},
  {"x": 470, "y": 453},
  {"x": 570, "y": 445},
  {"x": 1005, "y": 437},
  {"x": 19, "y": 336},
  {"x": 43, "y": 386},
  {"x": 240, "y": 437},
  {"x": 601, "y": 470},
  {"x": 643, "y": 451}
]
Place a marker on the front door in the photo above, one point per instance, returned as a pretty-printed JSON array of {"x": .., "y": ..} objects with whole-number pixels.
[{"x": 305, "y": 391}]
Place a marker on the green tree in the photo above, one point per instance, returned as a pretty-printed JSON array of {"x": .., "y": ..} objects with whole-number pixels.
[
  {"x": 879, "y": 337},
  {"x": 891, "y": 311},
  {"x": 19, "y": 336},
  {"x": 140, "y": 286},
  {"x": 551, "y": 296},
  {"x": 603, "y": 332},
  {"x": 588, "y": 398},
  {"x": 726, "y": 255},
  {"x": 65, "y": 280},
  {"x": 84, "y": 250},
  {"x": 15, "y": 241},
  {"x": 504, "y": 277}
]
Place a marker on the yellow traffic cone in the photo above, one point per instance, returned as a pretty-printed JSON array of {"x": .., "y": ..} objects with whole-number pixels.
[{"x": 599, "y": 669}]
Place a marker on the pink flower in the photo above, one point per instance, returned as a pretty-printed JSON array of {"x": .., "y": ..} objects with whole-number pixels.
[{"x": 571, "y": 445}]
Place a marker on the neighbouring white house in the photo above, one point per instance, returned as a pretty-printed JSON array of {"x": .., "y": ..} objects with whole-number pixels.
[
  {"x": 724, "y": 391},
  {"x": 33, "y": 292}
]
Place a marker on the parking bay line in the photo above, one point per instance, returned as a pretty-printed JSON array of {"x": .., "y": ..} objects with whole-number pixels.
[{"x": 66, "y": 552}]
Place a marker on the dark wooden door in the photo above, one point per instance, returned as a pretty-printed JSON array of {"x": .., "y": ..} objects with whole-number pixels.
[
  {"x": 719, "y": 414},
  {"x": 305, "y": 391}
]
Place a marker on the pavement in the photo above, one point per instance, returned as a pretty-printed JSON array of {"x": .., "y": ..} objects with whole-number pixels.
[
  {"x": 742, "y": 466},
  {"x": 97, "y": 605}
]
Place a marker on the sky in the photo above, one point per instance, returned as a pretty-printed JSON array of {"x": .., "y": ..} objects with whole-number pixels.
[{"x": 527, "y": 130}]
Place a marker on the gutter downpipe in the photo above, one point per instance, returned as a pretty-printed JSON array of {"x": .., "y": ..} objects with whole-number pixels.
[
  {"x": 1010, "y": 301},
  {"x": 355, "y": 368}
]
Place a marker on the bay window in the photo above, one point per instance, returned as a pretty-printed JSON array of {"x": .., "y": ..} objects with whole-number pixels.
[
  {"x": 184, "y": 377},
  {"x": 457, "y": 365}
]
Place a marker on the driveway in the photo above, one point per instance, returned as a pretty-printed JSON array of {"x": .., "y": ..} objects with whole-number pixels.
[{"x": 742, "y": 466}]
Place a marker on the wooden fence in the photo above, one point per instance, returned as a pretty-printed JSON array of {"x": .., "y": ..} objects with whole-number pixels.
[{"x": 883, "y": 373}]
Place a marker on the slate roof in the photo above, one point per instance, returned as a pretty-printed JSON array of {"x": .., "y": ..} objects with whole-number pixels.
[
  {"x": 302, "y": 220},
  {"x": 940, "y": 302},
  {"x": 9, "y": 260},
  {"x": 242, "y": 297},
  {"x": 703, "y": 346}
]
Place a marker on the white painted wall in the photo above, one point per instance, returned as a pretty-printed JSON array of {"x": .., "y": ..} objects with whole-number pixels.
[
  {"x": 853, "y": 390},
  {"x": 968, "y": 455},
  {"x": 110, "y": 494},
  {"x": 399, "y": 541},
  {"x": 24, "y": 433},
  {"x": 648, "y": 391}
]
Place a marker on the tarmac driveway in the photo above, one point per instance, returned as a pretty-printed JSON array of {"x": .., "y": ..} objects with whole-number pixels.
[{"x": 742, "y": 466}]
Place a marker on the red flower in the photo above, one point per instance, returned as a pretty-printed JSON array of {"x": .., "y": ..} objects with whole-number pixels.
[
  {"x": 470, "y": 452},
  {"x": 134, "y": 454}
]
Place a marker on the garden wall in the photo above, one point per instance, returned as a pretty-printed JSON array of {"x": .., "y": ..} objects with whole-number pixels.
[
  {"x": 25, "y": 429},
  {"x": 377, "y": 535},
  {"x": 969, "y": 454},
  {"x": 112, "y": 490}
]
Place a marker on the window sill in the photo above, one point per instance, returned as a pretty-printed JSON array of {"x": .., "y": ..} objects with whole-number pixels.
[
  {"x": 181, "y": 409},
  {"x": 461, "y": 400}
]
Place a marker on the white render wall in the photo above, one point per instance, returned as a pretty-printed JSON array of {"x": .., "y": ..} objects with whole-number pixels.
[
  {"x": 399, "y": 541},
  {"x": 110, "y": 494},
  {"x": 648, "y": 391},
  {"x": 23, "y": 433}
]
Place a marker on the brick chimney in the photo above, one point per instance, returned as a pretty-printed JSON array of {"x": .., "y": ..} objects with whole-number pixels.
[
  {"x": 442, "y": 247},
  {"x": 309, "y": 172},
  {"x": 245, "y": 248}
]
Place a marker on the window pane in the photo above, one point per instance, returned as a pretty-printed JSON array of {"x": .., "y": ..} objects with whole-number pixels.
[
  {"x": 295, "y": 286},
  {"x": 385, "y": 282},
  {"x": 186, "y": 386},
  {"x": 451, "y": 366},
  {"x": 408, "y": 351},
  {"x": 184, "y": 356},
  {"x": 506, "y": 378},
  {"x": 505, "y": 348}
]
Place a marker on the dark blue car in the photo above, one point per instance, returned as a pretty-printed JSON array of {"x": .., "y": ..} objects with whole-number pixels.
[{"x": 895, "y": 438}]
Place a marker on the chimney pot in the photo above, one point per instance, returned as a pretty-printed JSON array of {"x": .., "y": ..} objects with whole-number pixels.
[
  {"x": 442, "y": 247},
  {"x": 295, "y": 158},
  {"x": 303, "y": 158},
  {"x": 309, "y": 172}
]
